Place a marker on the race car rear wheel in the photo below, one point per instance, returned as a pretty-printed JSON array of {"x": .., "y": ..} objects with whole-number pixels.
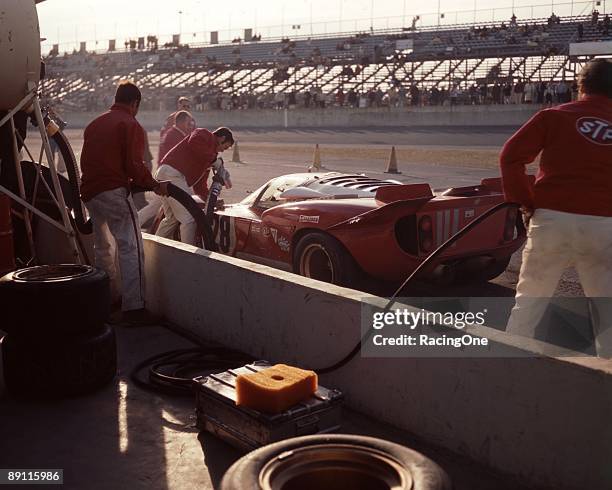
[
  {"x": 487, "y": 273},
  {"x": 495, "y": 269},
  {"x": 322, "y": 257}
]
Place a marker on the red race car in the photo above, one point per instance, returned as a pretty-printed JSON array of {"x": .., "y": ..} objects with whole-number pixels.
[{"x": 335, "y": 227}]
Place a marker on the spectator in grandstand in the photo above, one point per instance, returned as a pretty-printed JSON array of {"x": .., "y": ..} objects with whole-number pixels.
[
  {"x": 340, "y": 97},
  {"x": 279, "y": 99},
  {"x": 569, "y": 210},
  {"x": 454, "y": 95},
  {"x": 517, "y": 92},
  {"x": 351, "y": 98},
  {"x": 507, "y": 92},
  {"x": 606, "y": 25},
  {"x": 415, "y": 95},
  {"x": 473, "y": 95},
  {"x": 496, "y": 92},
  {"x": 530, "y": 91},
  {"x": 563, "y": 92},
  {"x": 187, "y": 166}
]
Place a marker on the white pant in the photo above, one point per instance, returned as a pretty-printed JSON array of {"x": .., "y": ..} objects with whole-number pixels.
[
  {"x": 150, "y": 210},
  {"x": 174, "y": 212},
  {"x": 117, "y": 235},
  {"x": 557, "y": 240}
]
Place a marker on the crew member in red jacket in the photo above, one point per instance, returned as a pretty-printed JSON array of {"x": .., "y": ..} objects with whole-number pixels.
[
  {"x": 182, "y": 104},
  {"x": 172, "y": 137},
  {"x": 179, "y": 130},
  {"x": 112, "y": 160},
  {"x": 187, "y": 166},
  {"x": 569, "y": 209}
]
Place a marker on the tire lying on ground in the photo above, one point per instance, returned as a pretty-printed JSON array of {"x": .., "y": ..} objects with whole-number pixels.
[
  {"x": 69, "y": 365},
  {"x": 54, "y": 299},
  {"x": 330, "y": 462}
]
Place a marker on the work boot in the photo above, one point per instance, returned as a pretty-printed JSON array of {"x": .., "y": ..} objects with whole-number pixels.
[{"x": 139, "y": 318}]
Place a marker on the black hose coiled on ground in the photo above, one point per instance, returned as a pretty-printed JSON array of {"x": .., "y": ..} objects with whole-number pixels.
[{"x": 174, "y": 372}]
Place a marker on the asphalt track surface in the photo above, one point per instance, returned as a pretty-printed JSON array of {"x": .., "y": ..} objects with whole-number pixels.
[
  {"x": 469, "y": 154},
  {"x": 449, "y": 136}
]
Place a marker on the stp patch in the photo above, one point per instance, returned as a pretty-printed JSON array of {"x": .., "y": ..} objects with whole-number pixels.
[{"x": 595, "y": 129}]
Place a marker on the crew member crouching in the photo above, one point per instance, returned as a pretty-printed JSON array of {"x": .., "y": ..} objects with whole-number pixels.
[{"x": 187, "y": 166}]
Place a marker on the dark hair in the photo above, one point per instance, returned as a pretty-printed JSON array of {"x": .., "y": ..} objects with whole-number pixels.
[
  {"x": 596, "y": 78},
  {"x": 181, "y": 116},
  {"x": 127, "y": 92},
  {"x": 225, "y": 133}
]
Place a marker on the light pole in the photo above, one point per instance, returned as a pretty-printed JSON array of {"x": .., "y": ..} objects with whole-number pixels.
[
  {"x": 438, "y": 13},
  {"x": 180, "y": 12},
  {"x": 372, "y": 16}
]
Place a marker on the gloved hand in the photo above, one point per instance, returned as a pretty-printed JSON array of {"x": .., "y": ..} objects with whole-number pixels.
[
  {"x": 224, "y": 174},
  {"x": 217, "y": 164}
]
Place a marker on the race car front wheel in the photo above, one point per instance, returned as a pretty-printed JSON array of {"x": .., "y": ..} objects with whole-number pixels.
[{"x": 322, "y": 257}]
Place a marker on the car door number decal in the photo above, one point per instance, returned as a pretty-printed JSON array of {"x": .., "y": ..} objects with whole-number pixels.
[{"x": 224, "y": 231}]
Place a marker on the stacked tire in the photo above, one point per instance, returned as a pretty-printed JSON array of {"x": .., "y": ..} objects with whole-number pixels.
[{"x": 57, "y": 342}]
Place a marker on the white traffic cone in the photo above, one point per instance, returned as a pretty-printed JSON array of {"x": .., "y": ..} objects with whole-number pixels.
[
  {"x": 316, "y": 160},
  {"x": 392, "y": 165},
  {"x": 236, "y": 154}
]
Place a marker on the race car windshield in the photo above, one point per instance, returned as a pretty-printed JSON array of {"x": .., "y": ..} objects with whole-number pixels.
[{"x": 276, "y": 187}]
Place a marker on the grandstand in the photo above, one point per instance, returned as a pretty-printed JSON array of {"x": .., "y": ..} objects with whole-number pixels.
[{"x": 463, "y": 59}]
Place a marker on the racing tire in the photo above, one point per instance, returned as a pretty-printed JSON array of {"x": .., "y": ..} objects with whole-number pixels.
[
  {"x": 58, "y": 367},
  {"x": 322, "y": 257},
  {"x": 495, "y": 269},
  {"x": 49, "y": 300},
  {"x": 329, "y": 462}
]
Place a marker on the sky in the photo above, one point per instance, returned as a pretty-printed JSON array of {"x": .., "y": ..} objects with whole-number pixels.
[{"x": 68, "y": 22}]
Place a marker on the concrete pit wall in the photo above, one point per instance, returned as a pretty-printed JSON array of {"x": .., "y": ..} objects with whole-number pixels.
[
  {"x": 484, "y": 115},
  {"x": 546, "y": 421}
]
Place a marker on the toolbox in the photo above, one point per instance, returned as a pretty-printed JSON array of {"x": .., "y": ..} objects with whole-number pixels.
[{"x": 249, "y": 429}]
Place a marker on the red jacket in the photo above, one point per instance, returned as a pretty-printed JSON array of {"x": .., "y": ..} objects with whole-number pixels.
[
  {"x": 112, "y": 154},
  {"x": 193, "y": 157},
  {"x": 172, "y": 138},
  {"x": 170, "y": 120},
  {"x": 575, "y": 174}
]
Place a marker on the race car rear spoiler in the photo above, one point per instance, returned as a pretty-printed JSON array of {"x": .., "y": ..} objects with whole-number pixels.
[{"x": 393, "y": 193}]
